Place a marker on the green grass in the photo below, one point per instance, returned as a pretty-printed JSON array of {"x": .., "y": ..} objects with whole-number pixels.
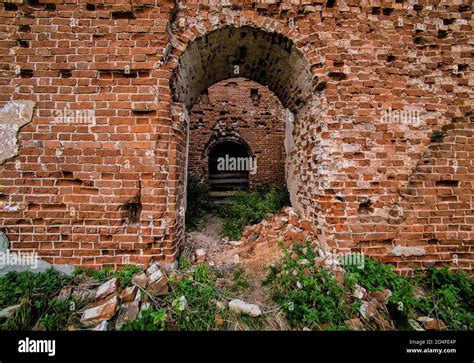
[
  {"x": 376, "y": 276},
  {"x": 35, "y": 293},
  {"x": 102, "y": 275},
  {"x": 199, "y": 288},
  {"x": 250, "y": 207},
  {"x": 14, "y": 286},
  {"x": 450, "y": 297},
  {"x": 311, "y": 297},
  {"x": 240, "y": 280}
]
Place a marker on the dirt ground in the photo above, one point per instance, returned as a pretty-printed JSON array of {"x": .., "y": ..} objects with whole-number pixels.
[
  {"x": 231, "y": 256},
  {"x": 222, "y": 253}
]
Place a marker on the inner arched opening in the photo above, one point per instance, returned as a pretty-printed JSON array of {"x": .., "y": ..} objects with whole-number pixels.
[
  {"x": 240, "y": 123},
  {"x": 230, "y": 164}
]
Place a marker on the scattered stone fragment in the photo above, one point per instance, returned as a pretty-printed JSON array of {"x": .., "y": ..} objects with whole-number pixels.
[
  {"x": 200, "y": 255},
  {"x": 105, "y": 311},
  {"x": 359, "y": 292},
  {"x": 155, "y": 276},
  {"x": 218, "y": 321},
  {"x": 65, "y": 293},
  {"x": 433, "y": 324},
  {"x": 354, "y": 324},
  {"x": 381, "y": 296},
  {"x": 283, "y": 226},
  {"x": 239, "y": 306},
  {"x": 423, "y": 319},
  {"x": 322, "y": 326},
  {"x": 127, "y": 312},
  {"x": 318, "y": 262},
  {"x": 158, "y": 283},
  {"x": 415, "y": 325},
  {"x": 129, "y": 294},
  {"x": 38, "y": 327},
  {"x": 141, "y": 280},
  {"x": 102, "y": 326},
  {"x": 107, "y": 288},
  {"x": 368, "y": 309},
  {"x": 153, "y": 268},
  {"x": 9, "y": 311},
  {"x": 82, "y": 294}
]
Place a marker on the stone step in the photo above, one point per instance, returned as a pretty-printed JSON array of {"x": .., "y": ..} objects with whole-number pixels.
[{"x": 229, "y": 181}]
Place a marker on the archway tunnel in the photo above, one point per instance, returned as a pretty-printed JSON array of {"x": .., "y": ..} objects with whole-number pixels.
[{"x": 273, "y": 74}]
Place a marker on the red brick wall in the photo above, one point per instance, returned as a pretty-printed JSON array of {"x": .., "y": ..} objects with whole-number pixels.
[
  {"x": 228, "y": 111},
  {"x": 70, "y": 192},
  {"x": 113, "y": 192}
]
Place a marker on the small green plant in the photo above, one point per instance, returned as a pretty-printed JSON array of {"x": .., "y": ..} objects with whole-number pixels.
[
  {"x": 14, "y": 285},
  {"x": 450, "y": 298},
  {"x": 184, "y": 263},
  {"x": 198, "y": 204},
  {"x": 149, "y": 320},
  {"x": 193, "y": 299},
  {"x": 309, "y": 295},
  {"x": 250, "y": 207},
  {"x": 57, "y": 315},
  {"x": 125, "y": 275},
  {"x": 437, "y": 136},
  {"x": 376, "y": 276}
]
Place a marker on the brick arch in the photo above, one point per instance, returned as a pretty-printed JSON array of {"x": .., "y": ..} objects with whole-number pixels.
[
  {"x": 268, "y": 58},
  {"x": 218, "y": 139}
]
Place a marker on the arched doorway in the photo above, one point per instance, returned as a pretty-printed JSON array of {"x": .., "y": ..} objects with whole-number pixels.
[
  {"x": 268, "y": 58},
  {"x": 229, "y": 165}
]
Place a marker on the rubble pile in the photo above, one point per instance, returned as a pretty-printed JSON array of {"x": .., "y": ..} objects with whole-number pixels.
[
  {"x": 110, "y": 305},
  {"x": 286, "y": 227}
]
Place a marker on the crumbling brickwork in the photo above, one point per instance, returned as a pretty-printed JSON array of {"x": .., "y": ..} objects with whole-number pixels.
[
  {"x": 239, "y": 109},
  {"x": 108, "y": 187}
]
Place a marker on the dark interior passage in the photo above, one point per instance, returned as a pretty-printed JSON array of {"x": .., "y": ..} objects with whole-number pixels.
[{"x": 228, "y": 168}]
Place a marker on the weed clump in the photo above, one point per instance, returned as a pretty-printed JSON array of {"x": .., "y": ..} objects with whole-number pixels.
[
  {"x": 437, "y": 136},
  {"x": 310, "y": 296},
  {"x": 250, "y": 207},
  {"x": 191, "y": 304},
  {"x": 35, "y": 293},
  {"x": 448, "y": 296},
  {"x": 125, "y": 275}
]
